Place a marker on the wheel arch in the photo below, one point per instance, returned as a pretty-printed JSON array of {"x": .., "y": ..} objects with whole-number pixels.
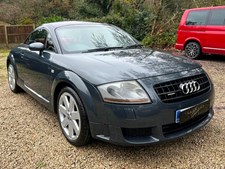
[
  {"x": 10, "y": 59},
  {"x": 192, "y": 40},
  {"x": 70, "y": 79}
]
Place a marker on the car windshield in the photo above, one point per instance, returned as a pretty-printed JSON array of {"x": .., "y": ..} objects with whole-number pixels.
[{"x": 77, "y": 38}]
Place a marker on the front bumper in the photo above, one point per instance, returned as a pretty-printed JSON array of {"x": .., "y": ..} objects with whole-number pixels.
[
  {"x": 149, "y": 123},
  {"x": 130, "y": 136}
]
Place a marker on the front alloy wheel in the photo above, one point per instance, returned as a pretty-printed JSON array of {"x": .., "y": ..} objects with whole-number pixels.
[
  {"x": 193, "y": 50},
  {"x": 72, "y": 118}
]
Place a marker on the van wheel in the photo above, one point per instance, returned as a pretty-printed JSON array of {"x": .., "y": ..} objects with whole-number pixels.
[{"x": 193, "y": 50}]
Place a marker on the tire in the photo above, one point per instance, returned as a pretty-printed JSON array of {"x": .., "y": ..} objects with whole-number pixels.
[
  {"x": 193, "y": 50},
  {"x": 12, "y": 79},
  {"x": 73, "y": 118}
]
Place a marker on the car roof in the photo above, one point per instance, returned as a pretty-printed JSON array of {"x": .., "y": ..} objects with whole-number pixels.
[
  {"x": 54, "y": 25},
  {"x": 205, "y": 8}
]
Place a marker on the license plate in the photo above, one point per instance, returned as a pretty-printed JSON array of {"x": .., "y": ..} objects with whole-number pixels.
[{"x": 186, "y": 114}]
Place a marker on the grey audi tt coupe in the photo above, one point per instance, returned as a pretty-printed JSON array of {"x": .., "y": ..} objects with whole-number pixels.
[{"x": 103, "y": 84}]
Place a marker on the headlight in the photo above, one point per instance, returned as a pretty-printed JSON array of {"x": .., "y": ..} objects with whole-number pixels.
[{"x": 127, "y": 92}]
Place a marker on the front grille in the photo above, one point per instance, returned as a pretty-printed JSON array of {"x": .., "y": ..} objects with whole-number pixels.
[
  {"x": 178, "y": 127},
  {"x": 170, "y": 92},
  {"x": 136, "y": 132}
]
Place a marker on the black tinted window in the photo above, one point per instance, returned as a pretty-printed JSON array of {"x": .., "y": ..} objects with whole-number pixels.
[
  {"x": 37, "y": 36},
  {"x": 197, "y": 17},
  {"x": 217, "y": 17}
]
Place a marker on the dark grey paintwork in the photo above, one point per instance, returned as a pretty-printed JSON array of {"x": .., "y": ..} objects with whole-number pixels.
[
  {"x": 104, "y": 67},
  {"x": 48, "y": 72}
]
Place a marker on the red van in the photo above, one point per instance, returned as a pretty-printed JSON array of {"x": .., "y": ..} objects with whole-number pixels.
[{"x": 202, "y": 30}]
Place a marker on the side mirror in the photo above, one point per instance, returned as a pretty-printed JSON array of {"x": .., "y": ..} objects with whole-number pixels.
[{"x": 36, "y": 46}]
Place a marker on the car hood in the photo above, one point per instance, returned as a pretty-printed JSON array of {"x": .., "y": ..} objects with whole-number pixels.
[{"x": 104, "y": 67}]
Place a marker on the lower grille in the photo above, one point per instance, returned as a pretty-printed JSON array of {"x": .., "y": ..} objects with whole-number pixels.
[
  {"x": 136, "y": 132},
  {"x": 175, "y": 128},
  {"x": 170, "y": 92}
]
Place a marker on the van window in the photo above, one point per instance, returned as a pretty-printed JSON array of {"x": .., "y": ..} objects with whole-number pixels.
[
  {"x": 217, "y": 17},
  {"x": 197, "y": 17}
]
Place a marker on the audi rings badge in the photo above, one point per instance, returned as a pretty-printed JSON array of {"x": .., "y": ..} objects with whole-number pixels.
[{"x": 190, "y": 87}]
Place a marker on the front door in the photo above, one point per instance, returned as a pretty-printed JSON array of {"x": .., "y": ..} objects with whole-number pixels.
[{"x": 37, "y": 67}]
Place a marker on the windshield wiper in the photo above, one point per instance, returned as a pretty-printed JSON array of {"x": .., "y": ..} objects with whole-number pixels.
[
  {"x": 134, "y": 46},
  {"x": 114, "y": 48},
  {"x": 103, "y": 49}
]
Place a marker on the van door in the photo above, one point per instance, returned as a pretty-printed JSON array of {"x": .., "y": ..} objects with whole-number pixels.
[
  {"x": 195, "y": 26},
  {"x": 215, "y": 32}
]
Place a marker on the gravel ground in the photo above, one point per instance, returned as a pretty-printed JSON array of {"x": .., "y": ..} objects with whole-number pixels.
[{"x": 30, "y": 137}]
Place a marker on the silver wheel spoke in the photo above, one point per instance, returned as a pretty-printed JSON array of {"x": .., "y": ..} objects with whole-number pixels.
[
  {"x": 62, "y": 109},
  {"x": 66, "y": 102},
  {"x": 71, "y": 130},
  {"x": 65, "y": 122},
  {"x": 71, "y": 105},
  {"x": 76, "y": 127},
  {"x": 75, "y": 115}
]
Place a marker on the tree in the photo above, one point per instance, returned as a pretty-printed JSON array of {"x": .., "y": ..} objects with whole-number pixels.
[{"x": 104, "y": 5}]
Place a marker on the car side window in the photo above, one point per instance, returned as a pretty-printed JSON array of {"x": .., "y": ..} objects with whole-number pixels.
[
  {"x": 37, "y": 36},
  {"x": 42, "y": 36},
  {"x": 197, "y": 17},
  {"x": 217, "y": 17}
]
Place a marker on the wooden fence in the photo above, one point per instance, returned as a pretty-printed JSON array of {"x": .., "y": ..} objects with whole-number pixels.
[{"x": 14, "y": 34}]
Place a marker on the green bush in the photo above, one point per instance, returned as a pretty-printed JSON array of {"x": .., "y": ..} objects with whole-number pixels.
[
  {"x": 110, "y": 19},
  {"x": 135, "y": 22},
  {"x": 163, "y": 40},
  {"x": 26, "y": 21}
]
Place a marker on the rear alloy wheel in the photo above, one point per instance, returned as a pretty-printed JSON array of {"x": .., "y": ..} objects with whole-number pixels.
[
  {"x": 193, "y": 50},
  {"x": 12, "y": 79},
  {"x": 72, "y": 118}
]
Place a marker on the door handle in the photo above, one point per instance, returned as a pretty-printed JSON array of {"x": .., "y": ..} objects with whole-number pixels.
[{"x": 22, "y": 55}]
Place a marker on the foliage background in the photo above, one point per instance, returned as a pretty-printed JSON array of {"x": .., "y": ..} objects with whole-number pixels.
[{"x": 153, "y": 22}]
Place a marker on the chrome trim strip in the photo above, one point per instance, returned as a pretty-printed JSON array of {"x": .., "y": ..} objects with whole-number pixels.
[
  {"x": 214, "y": 48},
  {"x": 36, "y": 94}
]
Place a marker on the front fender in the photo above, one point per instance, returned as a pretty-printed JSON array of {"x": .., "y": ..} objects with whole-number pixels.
[
  {"x": 10, "y": 59},
  {"x": 80, "y": 88}
]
